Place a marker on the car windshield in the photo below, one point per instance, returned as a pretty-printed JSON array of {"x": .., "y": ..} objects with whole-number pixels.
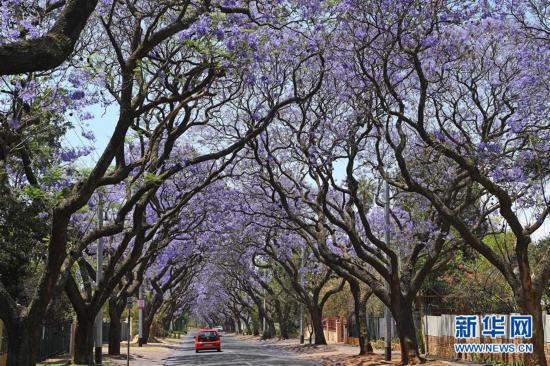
[{"x": 208, "y": 336}]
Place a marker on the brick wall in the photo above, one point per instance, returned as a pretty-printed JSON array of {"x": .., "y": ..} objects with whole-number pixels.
[{"x": 335, "y": 329}]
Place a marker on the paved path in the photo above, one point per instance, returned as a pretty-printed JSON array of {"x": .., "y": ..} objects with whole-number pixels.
[{"x": 235, "y": 352}]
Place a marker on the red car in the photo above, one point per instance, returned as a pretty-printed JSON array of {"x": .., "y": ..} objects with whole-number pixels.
[{"x": 208, "y": 339}]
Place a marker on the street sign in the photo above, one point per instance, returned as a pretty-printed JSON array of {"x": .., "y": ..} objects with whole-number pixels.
[{"x": 141, "y": 304}]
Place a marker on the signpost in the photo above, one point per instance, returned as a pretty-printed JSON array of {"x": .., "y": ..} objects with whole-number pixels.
[{"x": 129, "y": 304}]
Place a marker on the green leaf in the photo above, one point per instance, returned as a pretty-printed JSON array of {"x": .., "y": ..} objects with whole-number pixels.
[{"x": 151, "y": 178}]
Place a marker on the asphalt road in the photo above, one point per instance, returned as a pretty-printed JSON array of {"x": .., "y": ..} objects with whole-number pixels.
[{"x": 234, "y": 352}]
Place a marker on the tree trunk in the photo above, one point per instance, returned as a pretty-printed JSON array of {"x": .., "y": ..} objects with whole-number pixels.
[
  {"x": 84, "y": 342},
  {"x": 22, "y": 345},
  {"x": 360, "y": 309},
  {"x": 115, "y": 327},
  {"x": 147, "y": 322},
  {"x": 115, "y": 336},
  {"x": 269, "y": 331},
  {"x": 238, "y": 326},
  {"x": 282, "y": 315},
  {"x": 283, "y": 326},
  {"x": 255, "y": 327},
  {"x": 271, "y": 327},
  {"x": 150, "y": 313},
  {"x": 402, "y": 313},
  {"x": 247, "y": 326},
  {"x": 316, "y": 314},
  {"x": 531, "y": 306}
]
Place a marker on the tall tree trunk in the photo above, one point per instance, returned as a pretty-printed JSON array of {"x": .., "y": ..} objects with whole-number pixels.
[
  {"x": 316, "y": 314},
  {"x": 403, "y": 315},
  {"x": 271, "y": 327},
  {"x": 22, "y": 344},
  {"x": 150, "y": 316},
  {"x": 84, "y": 341},
  {"x": 228, "y": 326},
  {"x": 531, "y": 306},
  {"x": 282, "y": 317},
  {"x": 360, "y": 309},
  {"x": 283, "y": 325},
  {"x": 247, "y": 326},
  {"x": 147, "y": 323},
  {"x": 238, "y": 326},
  {"x": 269, "y": 331},
  {"x": 115, "y": 326}
]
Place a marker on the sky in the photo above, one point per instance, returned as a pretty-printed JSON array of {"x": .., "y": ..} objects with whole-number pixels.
[{"x": 102, "y": 126}]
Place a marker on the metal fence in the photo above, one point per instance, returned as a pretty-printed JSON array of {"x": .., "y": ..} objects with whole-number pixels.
[
  {"x": 376, "y": 327},
  {"x": 55, "y": 339},
  {"x": 125, "y": 331}
]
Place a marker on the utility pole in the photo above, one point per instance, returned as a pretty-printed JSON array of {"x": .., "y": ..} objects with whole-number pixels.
[
  {"x": 99, "y": 278},
  {"x": 265, "y": 310},
  {"x": 387, "y": 313},
  {"x": 302, "y": 305},
  {"x": 140, "y": 313},
  {"x": 129, "y": 306}
]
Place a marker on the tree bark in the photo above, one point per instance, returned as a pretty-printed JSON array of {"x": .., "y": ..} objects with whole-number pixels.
[
  {"x": 147, "y": 329},
  {"x": 402, "y": 313},
  {"x": 22, "y": 345},
  {"x": 115, "y": 335},
  {"x": 282, "y": 315},
  {"x": 150, "y": 316},
  {"x": 271, "y": 327},
  {"x": 316, "y": 314},
  {"x": 283, "y": 326},
  {"x": 238, "y": 326},
  {"x": 360, "y": 309},
  {"x": 115, "y": 326},
  {"x": 247, "y": 326},
  {"x": 147, "y": 323},
  {"x": 52, "y": 49},
  {"x": 84, "y": 342},
  {"x": 531, "y": 306},
  {"x": 269, "y": 331}
]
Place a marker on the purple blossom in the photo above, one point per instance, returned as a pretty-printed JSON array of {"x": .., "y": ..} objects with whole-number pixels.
[
  {"x": 88, "y": 135},
  {"x": 14, "y": 123},
  {"x": 70, "y": 155},
  {"x": 202, "y": 26},
  {"x": 517, "y": 125},
  {"x": 77, "y": 95},
  {"x": 86, "y": 116},
  {"x": 250, "y": 79},
  {"x": 439, "y": 135}
]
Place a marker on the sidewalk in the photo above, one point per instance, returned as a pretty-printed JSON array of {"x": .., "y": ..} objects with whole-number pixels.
[
  {"x": 339, "y": 354},
  {"x": 149, "y": 354}
]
